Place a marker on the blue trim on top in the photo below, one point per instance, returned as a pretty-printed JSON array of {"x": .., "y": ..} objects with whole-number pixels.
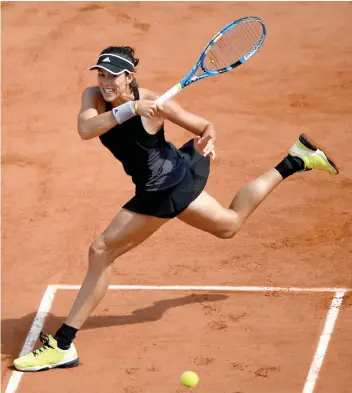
[{"x": 190, "y": 78}]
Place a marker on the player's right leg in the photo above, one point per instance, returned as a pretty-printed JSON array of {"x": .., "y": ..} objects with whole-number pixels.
[{"x": 126, "y": 231}]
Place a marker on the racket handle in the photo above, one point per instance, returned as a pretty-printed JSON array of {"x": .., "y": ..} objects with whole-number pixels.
[{"x": 169, "y": 94}]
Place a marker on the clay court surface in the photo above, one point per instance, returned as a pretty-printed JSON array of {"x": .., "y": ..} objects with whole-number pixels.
[{"x": 59, "y": 193}]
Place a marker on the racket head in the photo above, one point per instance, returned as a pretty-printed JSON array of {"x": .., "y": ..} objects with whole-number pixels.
[{"x": 233, "y": 45}]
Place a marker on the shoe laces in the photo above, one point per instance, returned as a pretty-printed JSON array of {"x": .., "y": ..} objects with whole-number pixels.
[{"x": 44, "y": 338}]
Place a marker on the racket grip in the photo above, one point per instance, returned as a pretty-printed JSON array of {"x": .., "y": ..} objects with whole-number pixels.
[{"x": 169, "y": 94}]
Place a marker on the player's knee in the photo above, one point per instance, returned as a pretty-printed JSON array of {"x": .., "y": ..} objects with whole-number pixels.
[
  {"x": 229, "y": 227},
  {"x": 99, "y": 252},
  {"x": 98, "y": 247},
  {"x": 228, "y": 233}
]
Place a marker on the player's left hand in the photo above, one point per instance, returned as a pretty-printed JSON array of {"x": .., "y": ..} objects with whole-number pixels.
[{"x": 205, "y": 146}]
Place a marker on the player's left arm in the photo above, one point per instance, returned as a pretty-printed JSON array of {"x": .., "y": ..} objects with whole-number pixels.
[{"x": 197, "y": 125}]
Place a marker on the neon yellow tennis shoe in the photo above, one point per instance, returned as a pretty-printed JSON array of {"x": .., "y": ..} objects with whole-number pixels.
[
  {"x": 48, "y": 356},
  {"x": 312, "y": 156}
]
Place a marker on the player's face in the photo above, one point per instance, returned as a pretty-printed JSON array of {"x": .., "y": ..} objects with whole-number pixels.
[{"x": 113, "y": 86}]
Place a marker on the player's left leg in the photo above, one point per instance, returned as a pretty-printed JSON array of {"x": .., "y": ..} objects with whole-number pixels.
[{"x": 207, "y": 214}]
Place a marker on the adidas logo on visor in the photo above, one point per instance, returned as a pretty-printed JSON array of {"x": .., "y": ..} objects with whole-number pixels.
[{"x": 106, "y": 60}]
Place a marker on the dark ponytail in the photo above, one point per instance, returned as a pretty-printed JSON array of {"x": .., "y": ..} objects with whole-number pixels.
[{"x": 127, "y": 53}]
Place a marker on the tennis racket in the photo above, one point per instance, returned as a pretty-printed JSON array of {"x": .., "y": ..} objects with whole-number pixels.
[{"x": 229, "y": 48}]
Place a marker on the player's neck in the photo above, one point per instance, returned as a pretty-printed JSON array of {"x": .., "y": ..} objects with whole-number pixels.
[{"x": 124, "y": 97}]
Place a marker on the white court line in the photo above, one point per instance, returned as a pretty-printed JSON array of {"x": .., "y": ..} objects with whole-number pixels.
[
  {"x": 210, "y": 288},
  {"x": 33, "y": 334},
  {"x": 51, "y": 290},
  {"x": 323, "y": 342}
]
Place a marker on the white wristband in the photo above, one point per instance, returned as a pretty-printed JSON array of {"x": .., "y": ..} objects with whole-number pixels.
[{"x": 124, "y": 112}]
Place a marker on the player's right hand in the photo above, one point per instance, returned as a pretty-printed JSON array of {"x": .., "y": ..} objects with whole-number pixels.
[{"x": 146, "y": 108}]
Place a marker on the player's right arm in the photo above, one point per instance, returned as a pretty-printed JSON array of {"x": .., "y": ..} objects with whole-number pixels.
[{"x": 92, "y": 118}]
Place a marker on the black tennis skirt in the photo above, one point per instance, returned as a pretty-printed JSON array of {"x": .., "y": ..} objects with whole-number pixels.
[{"x": 173, "y": 201}]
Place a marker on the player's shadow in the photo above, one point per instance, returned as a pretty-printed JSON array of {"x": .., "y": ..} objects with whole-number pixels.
[{"x": 14, "y": 331}]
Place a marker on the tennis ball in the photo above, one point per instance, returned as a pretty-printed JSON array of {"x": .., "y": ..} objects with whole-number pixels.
[{"x": 190, "y": 379}]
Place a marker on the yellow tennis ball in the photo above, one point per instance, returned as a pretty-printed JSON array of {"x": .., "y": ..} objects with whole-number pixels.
[{"x": 190, "y": 379}]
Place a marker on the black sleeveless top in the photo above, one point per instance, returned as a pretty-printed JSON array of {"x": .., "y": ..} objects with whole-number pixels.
[{"x": 152, "y": 162}]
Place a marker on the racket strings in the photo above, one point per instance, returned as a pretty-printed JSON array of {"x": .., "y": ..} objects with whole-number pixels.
[
  {"x": 233, "y": 45},
  {"x": 236, "y": 43}
]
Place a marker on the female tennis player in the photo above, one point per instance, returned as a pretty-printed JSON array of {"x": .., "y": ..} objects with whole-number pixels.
[{"x": 169, "y": 183}]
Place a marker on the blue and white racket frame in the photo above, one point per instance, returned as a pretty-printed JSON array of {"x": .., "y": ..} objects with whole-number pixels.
[{"x": 191, "y": 78}]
